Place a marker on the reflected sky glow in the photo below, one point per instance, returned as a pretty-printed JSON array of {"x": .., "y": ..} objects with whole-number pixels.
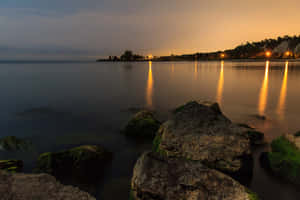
[
  {"x": 262, "y": 103},
  {"x": 283, "y": 91},
  {"x": 220, "y": 84},
  {"x": 149, "y": 92}
]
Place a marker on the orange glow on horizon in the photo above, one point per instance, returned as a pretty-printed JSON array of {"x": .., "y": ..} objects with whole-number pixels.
[
  {"x": 262, "y": 103},
  {"x": 220, "y": 84},
  {"x": 149, "y": 91},
  {"x": 283, "y": 92},
  {"x": 268, "y": 54},
  {"x": 150, "y": 57}
]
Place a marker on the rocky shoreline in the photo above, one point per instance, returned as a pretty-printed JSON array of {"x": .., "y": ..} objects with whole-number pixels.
[{"x": 197, "y": 154}]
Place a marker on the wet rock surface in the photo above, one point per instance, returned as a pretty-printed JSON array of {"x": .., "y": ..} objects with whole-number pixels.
[
  {"x": 199, "y": 131},
  {"x": 37, "y": 186},
  {"x": 157, "y": 177}
]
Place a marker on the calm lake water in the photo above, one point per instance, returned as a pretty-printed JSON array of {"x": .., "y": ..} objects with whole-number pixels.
[{"x": 62, "y": 105}]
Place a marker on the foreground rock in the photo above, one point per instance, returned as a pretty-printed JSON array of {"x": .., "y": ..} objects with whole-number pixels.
[
  {"x": 38, "y": 186},
  {"x": 157, "y": 177},
  {"x": 142, "y": 125},
  {"x": 11, "y": 165},
  {"x": 284, "y": 159},
  {"x": 12, "y": 143},
  {"x": 200, "y": 132},
  {"x": 84, "y": 162}
]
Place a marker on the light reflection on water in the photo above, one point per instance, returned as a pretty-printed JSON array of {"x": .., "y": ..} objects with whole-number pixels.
[
  {"x": 220, "y": 84},
  {"x": 263, "y": 97},
  {"x": 283, "y": 93},
  {"x": 149, "y": 92}
]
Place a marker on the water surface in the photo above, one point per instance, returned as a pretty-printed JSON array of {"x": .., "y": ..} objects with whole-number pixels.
[{"x": 62, "y": 105}]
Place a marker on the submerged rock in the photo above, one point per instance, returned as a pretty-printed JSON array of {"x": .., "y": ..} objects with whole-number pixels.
[
  {"x": 84, "y": 162},
  {"x": 259, "y": 117},
  {"x": 157, "y": 177},
  {"x": 200, "y": 132},
  {"x": 37, "y": 186},
  {"x": 284, "y": 159},
  {"x": 256, "y": 137},
  {"x": 142, "y": 125},
  {"x": 11, "y": 165},
  {"x": 12, "y": 143}
]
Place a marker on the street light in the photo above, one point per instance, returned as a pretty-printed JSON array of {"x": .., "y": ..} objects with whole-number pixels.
[{"x": 268, "y": 54}]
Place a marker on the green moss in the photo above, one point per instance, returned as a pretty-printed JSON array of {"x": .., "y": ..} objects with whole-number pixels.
[
  {"x": 285, "y": 159},
  {"x": 143, "y": 124},
  {"x": 155, "y": 147},
  {"x": 252, "y": 195},
  {"x": 131, "y": 195},
  {"x": 11, "y": 165},
  {"x": 156, "y": 143}
]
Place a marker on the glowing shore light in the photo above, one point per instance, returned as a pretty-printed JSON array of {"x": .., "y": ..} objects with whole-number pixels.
[
  {"x": 288, "y": 53},
  {"x": 268, "y": 54},
  {"x": 150, "y": 57},
  {"x": 222, "y": 55}
]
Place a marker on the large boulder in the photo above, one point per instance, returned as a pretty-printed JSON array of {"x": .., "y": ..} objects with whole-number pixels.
[
  {"x": 11, "y": 165},
  {"x": 200, "y": 132},
  {"x": 83, "y": 162},
  {"x": 37, "y": 186},
  {"x": 158, "y": 177},
  {"x": 142, "y": 125},
  {"x": 12, "y": 143},
  {"x": 284, "y": 159}
]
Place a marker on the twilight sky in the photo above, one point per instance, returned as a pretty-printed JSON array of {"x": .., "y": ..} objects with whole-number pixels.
[{"x": 80, "y": 29}]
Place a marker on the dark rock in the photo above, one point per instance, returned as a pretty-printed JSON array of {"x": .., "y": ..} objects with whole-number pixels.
[
  {"x": 84, "y": 162},
  {"x": 12, "y": 143},
  {"x": 37, "y": 186},
  {"x": 259, "y": 117},
  {"x": 158, "y": 177},
  {"x": 142, "y": 125},
  {"x": 11, "y": 165},
  {"x": 297, "y": 134},
  {"x": 200, "y": 132}
]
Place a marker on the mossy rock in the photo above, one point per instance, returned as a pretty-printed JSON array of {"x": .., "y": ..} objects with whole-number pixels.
[
  {"x": 252, "y": 195},
  {"x": 142, "y": 125},
  {"x": 82, "y": 162},
  {"x": 11, "y": 165},
  {"x": 284, "y": 160},
  {"x": 12, "y": 143}
]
